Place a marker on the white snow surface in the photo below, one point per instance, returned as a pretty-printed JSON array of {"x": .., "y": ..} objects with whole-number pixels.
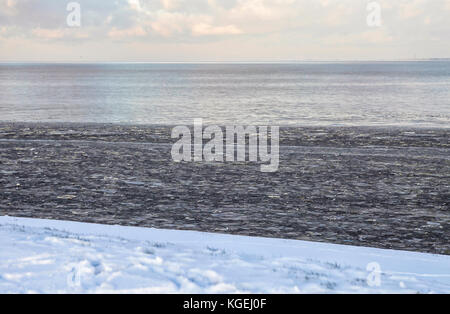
[{"x": 44, "y": 256}]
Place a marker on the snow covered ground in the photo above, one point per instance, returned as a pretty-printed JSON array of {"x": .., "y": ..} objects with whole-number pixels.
[{"x": 42, "y": 256}]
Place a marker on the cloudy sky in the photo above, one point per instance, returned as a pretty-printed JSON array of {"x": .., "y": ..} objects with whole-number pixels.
[{"x": 223, "y": 30}]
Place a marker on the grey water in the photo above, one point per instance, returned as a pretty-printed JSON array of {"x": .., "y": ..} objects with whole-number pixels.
[
  {"x": 360, "y": 183},
  {"x": 298, "y": 94}
]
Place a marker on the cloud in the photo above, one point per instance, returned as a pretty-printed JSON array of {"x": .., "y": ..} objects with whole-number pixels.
[
  {"x": 48, "y": 33},
  {"x": 252, "y": 27},
  {"x": 167, "y": 24},
  {"x": 126, "y": 33},
  {"x": 253, "y": 9},
  {"x": 58, "y": 34},
  {"x": 264, "y": 9},
  {"x": 169, "y": 5},
  {"x": 204, "y": 29},
  {"x": 135, "y": 5}
]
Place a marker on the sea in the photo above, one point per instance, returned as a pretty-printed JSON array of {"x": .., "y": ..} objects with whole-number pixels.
[{"x": 411, "y": 94}]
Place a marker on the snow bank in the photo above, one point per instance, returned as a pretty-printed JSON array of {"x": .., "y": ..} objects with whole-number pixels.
[{"x": 42, "y": 256}]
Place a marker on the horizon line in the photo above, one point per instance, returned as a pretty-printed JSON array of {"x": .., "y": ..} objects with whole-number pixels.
[{"x": 225, "y": 62}]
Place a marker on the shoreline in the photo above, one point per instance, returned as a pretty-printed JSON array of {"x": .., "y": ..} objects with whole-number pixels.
[{"x": 89, "y": 258}]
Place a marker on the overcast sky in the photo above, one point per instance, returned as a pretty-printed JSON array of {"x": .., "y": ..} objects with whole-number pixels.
[{"x": 223, "y": 30}]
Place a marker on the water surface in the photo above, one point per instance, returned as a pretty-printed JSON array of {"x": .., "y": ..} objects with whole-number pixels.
[{"x": 308, "y": 94}]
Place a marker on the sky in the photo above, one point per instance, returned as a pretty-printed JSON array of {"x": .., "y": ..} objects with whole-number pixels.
[{"x": 223, "y": 30}]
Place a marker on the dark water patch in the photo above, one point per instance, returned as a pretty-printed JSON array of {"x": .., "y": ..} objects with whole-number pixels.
[{"x": 383, "y": 187}]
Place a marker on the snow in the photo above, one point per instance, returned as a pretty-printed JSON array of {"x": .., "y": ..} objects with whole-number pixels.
[{"x": 44, "y": 256}]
